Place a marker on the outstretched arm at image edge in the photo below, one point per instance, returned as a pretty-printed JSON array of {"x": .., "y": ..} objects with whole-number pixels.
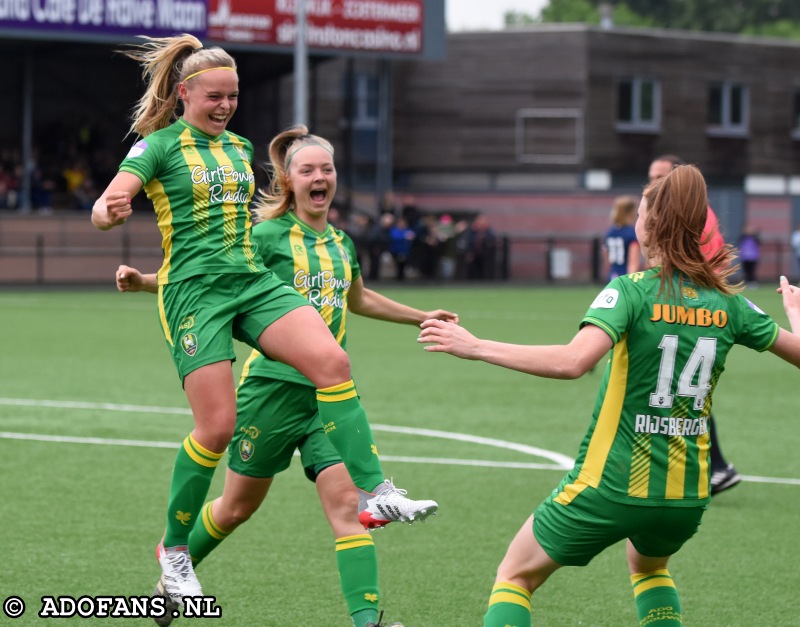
[
  {"x": 369, "y": 303},
  {"x": 561, "y": 361},
  {"x": 787, "y": 346}
]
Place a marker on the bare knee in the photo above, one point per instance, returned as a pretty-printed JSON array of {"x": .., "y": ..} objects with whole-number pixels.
[
  {"x": 346, "y": 505},
  {"x": 339, "y": 364},
  {"x": 526, "y": 564},
  {"x": 228, "y": 516},
  {"x": 638, "y": 563},
  {"x": 339, "y": 498},
  {"x": 214, "y": 435},
  {"x": 331, "y": 369},
  {"x": 530, "y": 581}
]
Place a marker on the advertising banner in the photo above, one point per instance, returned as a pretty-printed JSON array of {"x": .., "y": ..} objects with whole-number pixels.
[
  {"x": 157, "y": 18},
  {"x": 365, "y": 25},
  {"x": 378, "y": 26}
]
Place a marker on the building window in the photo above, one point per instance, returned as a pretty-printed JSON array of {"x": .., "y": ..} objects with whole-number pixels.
[
  {"x": 364, "y": 135},
  {"x": 796, "y": 114},
  {"x": 727, "y": 109},
  {"x": 366, "y": 101},
  {"x": 639, "y": 105},
  {"x": 549, "y": 136}
]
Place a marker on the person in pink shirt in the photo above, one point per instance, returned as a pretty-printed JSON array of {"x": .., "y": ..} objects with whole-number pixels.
[{"x": 723, "y": 473}]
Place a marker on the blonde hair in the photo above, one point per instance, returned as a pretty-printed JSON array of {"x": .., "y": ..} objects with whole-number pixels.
[
  {"x": 624, "y": 210},
  {"x": 167, "y": 61},
  {"x": 677, "y": 208},
  {"x": 278, "y": 199}
]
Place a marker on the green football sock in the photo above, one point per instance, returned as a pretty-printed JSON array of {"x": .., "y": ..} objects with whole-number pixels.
[
  {"x": 657, "y": 600},
  {"x": 191, "y": 477},
  {"x": 345, "y": 422},
  {"x": 357, "y": 560},
  {"x": 509, "y": 606},
  {"x": 206, "y": 536}
]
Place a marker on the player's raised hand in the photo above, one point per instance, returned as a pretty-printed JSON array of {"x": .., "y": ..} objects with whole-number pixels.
[
  {"x": 791, "y": 303},
  {"x": 442, "y": 314},
  {"x": 448, "y": 337}
]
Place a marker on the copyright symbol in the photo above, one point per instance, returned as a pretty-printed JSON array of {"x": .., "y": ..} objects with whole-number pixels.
[{"x": 13, "y": 607}]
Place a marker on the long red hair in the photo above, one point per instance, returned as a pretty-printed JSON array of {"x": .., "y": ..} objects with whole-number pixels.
[{"x": 677, "y": 206}]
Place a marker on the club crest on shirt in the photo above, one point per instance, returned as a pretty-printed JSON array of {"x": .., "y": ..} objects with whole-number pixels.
[
  {"x": 607, "y": 299},
  {"x": 189, "y": 344},
  {"x": 246, "y": 450},
  {"x": 243, "y": 155},
  {"x": 343, "y": 254},
  {"x": 137, "y": 150},
  {"x": 689, "y": 293}
]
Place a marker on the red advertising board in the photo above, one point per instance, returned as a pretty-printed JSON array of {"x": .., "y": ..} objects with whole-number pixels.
[{"x": 393, "y": 26}]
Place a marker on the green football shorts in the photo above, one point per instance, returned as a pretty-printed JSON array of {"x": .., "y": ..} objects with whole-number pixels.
[
  {"x": 273, "y": 418},
  {"x": 201, "y": 316},
  {"x": 573, "y": 534}
]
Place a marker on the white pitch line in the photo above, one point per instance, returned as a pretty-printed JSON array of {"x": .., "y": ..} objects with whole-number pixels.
[
  {"x": 38, "y": 437},
  {"x": 561, "y": 462},
  {"x": 139, "y": 409}
]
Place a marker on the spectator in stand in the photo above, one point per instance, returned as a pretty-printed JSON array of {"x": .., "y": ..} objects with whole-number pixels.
[
  {"x": 85, "y": 195},
  {"x": 8, "y": 194},
  {"x": 427, "y": 246},
  {"x": 795, "y": 241},
  {"x": 480, "y": 248},
  {"x": 750, "y": 254},
  {"x": 42, "y": 187},
  {"x": 401, "y": 239},
  {"x": 448, "y": 247},
  {"x": 75, "y": 174},
  {"x": 358, "y": 228},
  {"x": 620, "y": 243},
  {"x": 378, "y": 243},
  {"x": 712, "y": 244}
]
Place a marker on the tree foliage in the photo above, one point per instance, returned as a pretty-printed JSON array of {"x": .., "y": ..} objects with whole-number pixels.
[{"x": 772, "y": 18}]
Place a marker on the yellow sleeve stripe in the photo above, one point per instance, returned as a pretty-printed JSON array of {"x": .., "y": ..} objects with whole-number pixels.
[{"x": 599, "y": 323}]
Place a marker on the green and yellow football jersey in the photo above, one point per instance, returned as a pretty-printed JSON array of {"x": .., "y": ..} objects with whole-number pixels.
[
  {"x": 648, "y": 442},
  {"x": 200, "y": 187},
  {"x": 321, "y": 266}
]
